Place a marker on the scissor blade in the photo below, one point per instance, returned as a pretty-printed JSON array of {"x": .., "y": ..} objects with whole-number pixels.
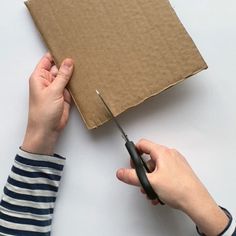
[{"x": 113, "y": 117}]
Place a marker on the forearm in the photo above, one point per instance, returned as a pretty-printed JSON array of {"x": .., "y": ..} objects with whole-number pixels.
[{"x": 29, "y": 196}]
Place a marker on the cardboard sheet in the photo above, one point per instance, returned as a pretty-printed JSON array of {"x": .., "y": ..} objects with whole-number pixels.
[{"x": 129, "y": 50}]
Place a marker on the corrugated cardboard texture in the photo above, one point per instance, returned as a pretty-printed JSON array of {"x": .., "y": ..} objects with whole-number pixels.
[{"x": 129, "y": 50}]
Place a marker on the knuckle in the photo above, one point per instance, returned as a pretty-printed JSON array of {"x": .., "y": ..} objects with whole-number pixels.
[
  {"x": 63, "y": 76},
  {"x": 61, "y": 73},
  {"x": 128, "y": 176},
  {"x": 166, "y": 151},
  {"x": 174, "y": 151},
  {"x": 142, "y": 140}
]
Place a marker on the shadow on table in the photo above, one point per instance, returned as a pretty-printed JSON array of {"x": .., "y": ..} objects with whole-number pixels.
[{"x": 167, "y": 101}]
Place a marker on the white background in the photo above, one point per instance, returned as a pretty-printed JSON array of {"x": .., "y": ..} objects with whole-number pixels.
[{"x": 198, "y": 117}]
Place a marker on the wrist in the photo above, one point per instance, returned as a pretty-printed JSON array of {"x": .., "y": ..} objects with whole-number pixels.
[
  {"x": 230, "y": 227},
  {"x": 207, "y": 215},
  {"x": 39, "y": 141}
]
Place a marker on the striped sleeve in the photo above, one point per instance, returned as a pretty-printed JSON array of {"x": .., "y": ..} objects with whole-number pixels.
[{"x": 29, "y": 196}]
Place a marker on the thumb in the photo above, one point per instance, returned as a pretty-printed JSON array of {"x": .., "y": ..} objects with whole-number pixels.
[
  {"x": 64, "y": 75},
  {"x": 128, "y": 176}
]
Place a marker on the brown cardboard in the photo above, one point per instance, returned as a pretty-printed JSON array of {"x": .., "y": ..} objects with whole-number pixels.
[{"x": 129, "y": 50}]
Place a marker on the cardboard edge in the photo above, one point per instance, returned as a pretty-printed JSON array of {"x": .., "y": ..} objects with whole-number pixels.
[
  {"x": 205, "y": 67},
  {"x": 81, "y": 114}
]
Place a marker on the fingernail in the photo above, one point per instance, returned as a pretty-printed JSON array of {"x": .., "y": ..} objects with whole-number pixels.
[{"x": 68, "y": 64}]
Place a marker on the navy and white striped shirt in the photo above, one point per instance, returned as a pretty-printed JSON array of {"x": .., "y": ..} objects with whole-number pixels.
[{"x": 27, "y": 204}]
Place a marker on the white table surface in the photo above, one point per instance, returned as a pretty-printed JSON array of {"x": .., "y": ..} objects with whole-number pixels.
[{"x": 198, "y": 117}]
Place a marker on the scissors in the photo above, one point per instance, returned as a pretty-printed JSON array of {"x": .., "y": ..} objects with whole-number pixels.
[{"x": 140, "y": 165}]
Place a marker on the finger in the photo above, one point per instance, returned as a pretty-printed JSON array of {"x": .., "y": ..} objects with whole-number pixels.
[
  {"x": 128, "y": 176},
  {"x": 46, "y": 75},
  {"x": 45, "y": 63},
  {"x": 54, "y": 70},
  {"x": 145, "y": 146},
  {"x": 142, "y": 191},
  {"x": 132, "y": 164},
  {"x": 148, "y": 147},
  {"x": 66, "y": 112},
  {"x": 64, "y": 75},
  {"x": 155, "y": 202},
  {"x": 67, "y": 97},
  {"x": 151, "y": 165},
  {"x": 67, "y": 103}
]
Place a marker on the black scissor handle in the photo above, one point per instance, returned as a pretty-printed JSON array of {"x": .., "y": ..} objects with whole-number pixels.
[{"x": 140, "y": 171}]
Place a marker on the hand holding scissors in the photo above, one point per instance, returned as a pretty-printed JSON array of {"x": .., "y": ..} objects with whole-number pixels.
[{"x": 139, "y": 164}]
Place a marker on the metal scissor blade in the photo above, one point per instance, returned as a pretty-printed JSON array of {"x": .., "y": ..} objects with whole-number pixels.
[{"x": 124, "y": 135}]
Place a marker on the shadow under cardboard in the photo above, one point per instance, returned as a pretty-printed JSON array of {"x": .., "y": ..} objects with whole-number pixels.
[{"x": 178, "y": 95}]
